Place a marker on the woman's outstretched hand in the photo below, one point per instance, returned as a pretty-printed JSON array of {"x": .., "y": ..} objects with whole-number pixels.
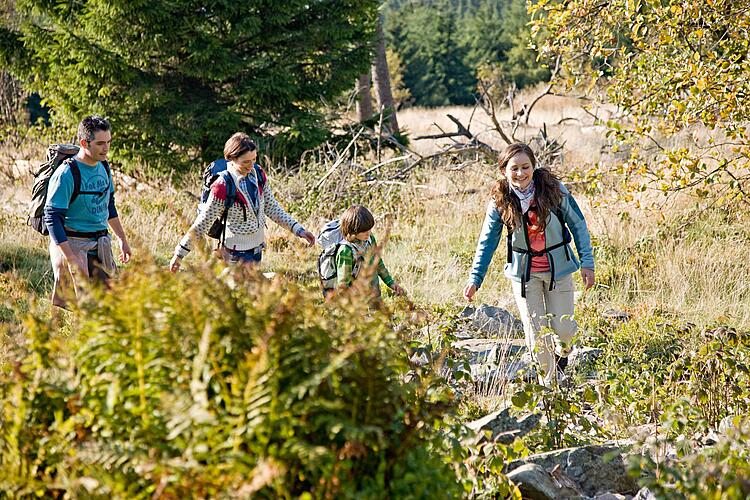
[
  {"x": 174, "y": 265},
  {"x": 308, "y": 236},
  {"x": 469, "y": 292}
]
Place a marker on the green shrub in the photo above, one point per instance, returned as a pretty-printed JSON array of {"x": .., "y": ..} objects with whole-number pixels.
[
  {"x": 718, "y": 472},
  {"x": 190, "y": 385}
]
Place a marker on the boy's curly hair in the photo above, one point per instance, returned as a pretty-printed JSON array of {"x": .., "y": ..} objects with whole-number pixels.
[
  {"x": 356, "y": 219},
  {"x": 547, "y": 196}
]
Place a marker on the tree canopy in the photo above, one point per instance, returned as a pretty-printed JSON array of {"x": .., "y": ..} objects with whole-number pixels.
[
  {"x": 447, "y": 45},
  {"x": 670, "y": 67},
  {"x": 177, "y": 78}
]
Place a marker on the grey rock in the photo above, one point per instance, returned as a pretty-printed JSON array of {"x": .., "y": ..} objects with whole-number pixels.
[
  {"x": 583, "y": 358},
  {"x": 727, "y": 424},
  {"x": 644, "y": 494},
  {"x": 467, "y": 312},
  {"x": 490, "y": 351},
  {"x": 492, "y": 321},
  {"x": 504, "y": 426},
  {"x": 487, "y": 376},
  {"x": 611, "y": 496},
  {"x": 596, "y": 469},
  {"x": 537, "y": 484},
  {"x": 615, "y": 314},
  {"x": 479, "y": 351}
]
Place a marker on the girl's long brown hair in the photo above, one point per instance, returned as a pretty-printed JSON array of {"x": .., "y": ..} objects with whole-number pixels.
[{"x": 547, "y": 193}]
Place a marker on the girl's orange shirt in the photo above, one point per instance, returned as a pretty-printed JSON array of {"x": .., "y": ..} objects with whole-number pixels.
[{"x": 537, "y": 242}]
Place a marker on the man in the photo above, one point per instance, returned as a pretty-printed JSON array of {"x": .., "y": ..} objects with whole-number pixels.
[{"x": 78, "y": 227}]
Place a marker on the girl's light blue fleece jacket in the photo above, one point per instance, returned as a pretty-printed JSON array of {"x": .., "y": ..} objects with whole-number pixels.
[{"x": 562, "y": 260}]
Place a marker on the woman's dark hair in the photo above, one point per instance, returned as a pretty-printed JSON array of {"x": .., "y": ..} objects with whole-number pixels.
[
  {"x": 547, "y": 192},
  {"x": 237, "y": 145},
  {"x": 356, "y": 219}
]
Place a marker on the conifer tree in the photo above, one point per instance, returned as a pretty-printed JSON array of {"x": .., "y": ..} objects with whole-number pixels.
[
  {"x": 177, "y": 78},
  {"x": 425, "y": 36}
]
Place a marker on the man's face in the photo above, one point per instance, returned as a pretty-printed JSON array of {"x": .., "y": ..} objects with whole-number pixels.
[{"x": 98, "y": 148}]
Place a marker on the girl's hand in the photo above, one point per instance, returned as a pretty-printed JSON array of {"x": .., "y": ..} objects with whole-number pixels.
[
  {"x": 587, "y": 275},
  {"x": 174, "y": 265},
  {"x": 469, "y": 292},
  {"x": 398, "y": 290}
]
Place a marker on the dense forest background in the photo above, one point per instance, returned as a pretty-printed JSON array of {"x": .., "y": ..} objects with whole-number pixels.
[
  {"x": 446, "y": 47},
  {"x": 278, "y": 74}
]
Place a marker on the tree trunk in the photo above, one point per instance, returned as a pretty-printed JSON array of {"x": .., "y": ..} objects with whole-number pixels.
[
  {"x": 364, "y": 101},
  {"x": 381, "y": 79}
]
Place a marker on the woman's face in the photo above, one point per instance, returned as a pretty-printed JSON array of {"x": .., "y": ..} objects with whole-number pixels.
[
  {"x": 519, "y": 171},
  {"x": 245, "y": 162}
]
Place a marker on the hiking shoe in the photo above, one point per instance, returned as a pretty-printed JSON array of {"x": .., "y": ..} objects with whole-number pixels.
[{"x": 561, "y": 363}]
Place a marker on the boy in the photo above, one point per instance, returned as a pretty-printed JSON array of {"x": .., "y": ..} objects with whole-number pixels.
[{"x": 356, "y": 227}]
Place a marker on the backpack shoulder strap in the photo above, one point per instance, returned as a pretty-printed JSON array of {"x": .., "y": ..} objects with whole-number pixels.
[
  {"x": 75, "y": 171},
  {"x": 262, "y": 177},
  {"x": 231, "y": 188},
  {"x": 563, "y": 227}
]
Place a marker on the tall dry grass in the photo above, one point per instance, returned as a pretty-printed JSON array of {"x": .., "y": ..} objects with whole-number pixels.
[{"x": 695, "y": 265}]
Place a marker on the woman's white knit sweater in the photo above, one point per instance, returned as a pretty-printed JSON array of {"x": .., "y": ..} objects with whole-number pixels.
[{"x": 245, "y": 228}]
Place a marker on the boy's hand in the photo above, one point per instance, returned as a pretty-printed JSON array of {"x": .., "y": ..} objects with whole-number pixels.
[
  {"x": 398, "y": 290},
  {"x": 469, "y": 292}
]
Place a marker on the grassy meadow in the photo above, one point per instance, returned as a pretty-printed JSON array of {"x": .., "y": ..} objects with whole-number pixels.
[{"x": 679, "y": 270}]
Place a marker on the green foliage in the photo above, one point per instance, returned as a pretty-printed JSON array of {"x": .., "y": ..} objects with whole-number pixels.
[
  {"x": 672, "y": 66},
  {"x": 425, "y": 36},
  {"x": 634, "y": 367},
  {"x": 714, "y": 375},
  {"x": 499, "y": 38},
  {"x": 447, "y": 45},
  {"x": 191, "y": 385},
  {"x": 565, "y": 419},
  {"x": 716, "y": 472},
  {"x": 177, "y": 78}
]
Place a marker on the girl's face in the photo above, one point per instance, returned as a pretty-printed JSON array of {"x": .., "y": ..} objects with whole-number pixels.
[
  {"x": 519, "y": 171},
  {"x": 244, "y": 163}
]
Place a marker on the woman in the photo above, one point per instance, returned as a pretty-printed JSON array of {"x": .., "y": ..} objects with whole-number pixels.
[
  {"x": 539, "y": 214},
  {"x": 243, "y": 236}
]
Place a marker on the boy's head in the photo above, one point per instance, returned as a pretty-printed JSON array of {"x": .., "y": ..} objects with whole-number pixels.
[{"x": 356, "y": 220}]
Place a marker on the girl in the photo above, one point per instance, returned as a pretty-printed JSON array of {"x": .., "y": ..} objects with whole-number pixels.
[
  {"x": 244, "y": 237},
  {"x": 539, "y": 214}
]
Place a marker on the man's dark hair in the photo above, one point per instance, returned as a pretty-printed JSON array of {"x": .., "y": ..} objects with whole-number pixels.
[
  {"x": 91, "y": 125},
  {"x": 356, "y": 219}
]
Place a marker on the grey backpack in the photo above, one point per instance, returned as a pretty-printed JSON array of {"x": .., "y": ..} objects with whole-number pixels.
[{"x": 331, "y": 239}]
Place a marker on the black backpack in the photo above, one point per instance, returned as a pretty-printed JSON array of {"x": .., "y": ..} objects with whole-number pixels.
[{"x": 57, "y": 155}]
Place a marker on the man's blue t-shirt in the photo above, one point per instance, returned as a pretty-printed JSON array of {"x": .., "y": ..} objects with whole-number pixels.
[{"x": 88, "y": 212}]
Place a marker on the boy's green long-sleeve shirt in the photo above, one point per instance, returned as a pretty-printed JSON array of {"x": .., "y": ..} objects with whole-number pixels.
[{"x": 348, "y": 259}]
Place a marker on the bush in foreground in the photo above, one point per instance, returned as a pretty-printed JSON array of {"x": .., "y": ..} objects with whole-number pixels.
[{"x": 174, "y": 386}]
